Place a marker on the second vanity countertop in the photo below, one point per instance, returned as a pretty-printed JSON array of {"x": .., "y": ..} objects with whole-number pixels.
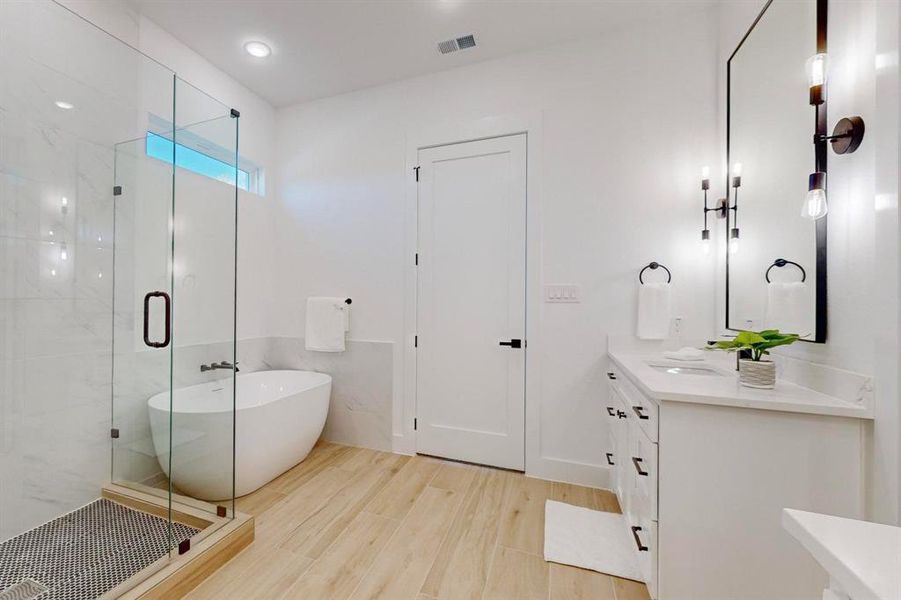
[{"x": 724, "y": 389}]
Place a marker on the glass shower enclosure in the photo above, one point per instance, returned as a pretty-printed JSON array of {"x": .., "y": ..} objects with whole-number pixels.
[{"x": 118, "y": 221}]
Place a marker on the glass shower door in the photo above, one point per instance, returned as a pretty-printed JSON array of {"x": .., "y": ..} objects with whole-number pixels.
[
  {"x": 142, "y": 308},
  {"x": 174, "y": 309}
]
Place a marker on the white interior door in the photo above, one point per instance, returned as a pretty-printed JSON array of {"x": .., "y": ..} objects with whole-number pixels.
[{"x": 470, "y": 384}]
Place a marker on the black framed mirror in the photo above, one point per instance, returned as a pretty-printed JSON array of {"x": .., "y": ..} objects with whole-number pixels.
[{"x": 775, "y": 232}]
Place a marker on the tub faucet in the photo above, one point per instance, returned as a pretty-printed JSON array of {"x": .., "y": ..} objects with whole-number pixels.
[{"x": 220, "y": 365}]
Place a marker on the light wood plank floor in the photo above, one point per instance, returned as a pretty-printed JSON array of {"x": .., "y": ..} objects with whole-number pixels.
[{"x": 351, "y": 523}]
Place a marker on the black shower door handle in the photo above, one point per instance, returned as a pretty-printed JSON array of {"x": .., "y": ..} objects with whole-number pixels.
[{"x": 168, "y": 323}]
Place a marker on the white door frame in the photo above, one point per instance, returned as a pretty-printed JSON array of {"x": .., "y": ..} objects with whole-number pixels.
[{"x": 469, "y": 131}]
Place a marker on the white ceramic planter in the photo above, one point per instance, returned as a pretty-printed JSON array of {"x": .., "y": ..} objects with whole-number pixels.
[{"x": 757, "y": 373}]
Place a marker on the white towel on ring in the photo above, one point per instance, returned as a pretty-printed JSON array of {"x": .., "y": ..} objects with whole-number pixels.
[{"x": 654, "y": 308}]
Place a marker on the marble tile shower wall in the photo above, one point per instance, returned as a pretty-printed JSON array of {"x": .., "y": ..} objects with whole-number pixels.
[{"x": 56, "y": 233}]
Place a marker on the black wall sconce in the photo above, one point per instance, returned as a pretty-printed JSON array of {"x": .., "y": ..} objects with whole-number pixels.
[
  {"x": 719, "y": 209},
  {"x": 846, "y": 136},
  {"x": 734, "y": 232}
]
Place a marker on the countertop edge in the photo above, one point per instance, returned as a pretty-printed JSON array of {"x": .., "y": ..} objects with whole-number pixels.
[
  {"x": 847, "y": 577},
  {"x": 840, "y": 408}
]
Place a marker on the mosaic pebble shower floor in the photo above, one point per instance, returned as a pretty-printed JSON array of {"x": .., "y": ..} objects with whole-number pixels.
[{"x": 84, "y": 554}]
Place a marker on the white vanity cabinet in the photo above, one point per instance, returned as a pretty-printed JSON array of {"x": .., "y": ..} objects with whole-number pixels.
[
  {"x": 702, "y": 481},
  {"x": 632, "y": 456}
]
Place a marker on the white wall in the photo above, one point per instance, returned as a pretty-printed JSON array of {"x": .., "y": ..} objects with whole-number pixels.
[
  {"x": 863, "y": 219},
  {"x": 627, "y": 123}
]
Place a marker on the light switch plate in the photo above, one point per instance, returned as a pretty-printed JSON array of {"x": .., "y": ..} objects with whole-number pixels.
[{"x": 562, "y": 293}]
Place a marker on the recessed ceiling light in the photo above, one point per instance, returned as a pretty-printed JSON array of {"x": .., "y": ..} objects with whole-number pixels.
[
  {"x": 257, "y": 49},
  {"x": 64, "y": 105}
]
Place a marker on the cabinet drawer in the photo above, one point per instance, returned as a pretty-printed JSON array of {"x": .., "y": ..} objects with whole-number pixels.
[
  {"x": 644, "y": 535},
  {"x": 642, "y": 461},
  {"x": 639, "y": 406}
]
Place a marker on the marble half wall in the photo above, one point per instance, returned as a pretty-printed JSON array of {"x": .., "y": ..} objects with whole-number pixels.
[{"x": 360, "y": 412}]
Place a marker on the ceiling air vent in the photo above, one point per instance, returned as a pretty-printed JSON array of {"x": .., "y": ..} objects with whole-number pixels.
[
  {"x": 467, "y": 41},
  {"x": 461, "y": 43},
  {"x": 448, "y": 46}
]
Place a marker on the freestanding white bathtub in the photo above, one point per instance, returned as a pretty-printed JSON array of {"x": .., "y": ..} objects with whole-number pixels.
[{"x": 278, "y": 418}]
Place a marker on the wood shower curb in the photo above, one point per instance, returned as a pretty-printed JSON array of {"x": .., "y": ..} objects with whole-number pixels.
[{"x": 220, "y": 539}]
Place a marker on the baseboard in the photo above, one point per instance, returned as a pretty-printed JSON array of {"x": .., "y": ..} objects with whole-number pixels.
[{"x": 564, "y": 471}]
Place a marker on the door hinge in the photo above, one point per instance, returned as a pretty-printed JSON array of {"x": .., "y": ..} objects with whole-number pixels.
[
  {"x": 416, "y": 341},
  {"x": 416, "y": 259},
  {"x": 117, "y": 190},
  {"x": 114, "y": 433},
  {"x": 416, "y": 170},
  {"x": 415, "y": 424}
]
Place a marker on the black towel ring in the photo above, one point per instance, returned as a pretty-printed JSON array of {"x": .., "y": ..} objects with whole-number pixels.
[
  {"x": 653, "y": 266},
  {"x": 781, "y": 262}
]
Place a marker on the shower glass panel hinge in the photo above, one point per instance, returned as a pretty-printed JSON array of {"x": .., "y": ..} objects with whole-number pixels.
[
  {"x": 117, "y": 190},
  {"x": 114, "y": 433}
]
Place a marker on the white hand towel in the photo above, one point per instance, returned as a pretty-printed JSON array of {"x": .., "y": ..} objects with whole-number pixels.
[
  {"x": 327, "y": 321},
  {"x": 788, "y": 308},
  {"x": 654, "y": 307}
]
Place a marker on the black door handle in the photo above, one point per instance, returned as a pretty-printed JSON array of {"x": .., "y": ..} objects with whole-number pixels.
[
  {"x": 168, "y": 324},
  {"x": 512, "y": 343}
]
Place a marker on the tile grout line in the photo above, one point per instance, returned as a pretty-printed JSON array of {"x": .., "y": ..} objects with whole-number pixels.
[
  {"x": 393, "y": 534},
  {"x": 497, "y": 540},
  {"x": 334, "y": 541},
  {"x": 460, "y": 508}
]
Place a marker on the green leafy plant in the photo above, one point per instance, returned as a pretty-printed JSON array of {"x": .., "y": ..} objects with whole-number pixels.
[{"x": 758, "y": 343}]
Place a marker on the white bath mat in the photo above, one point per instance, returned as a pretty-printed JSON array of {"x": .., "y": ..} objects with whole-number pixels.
[{"x": 589, "y": 539}]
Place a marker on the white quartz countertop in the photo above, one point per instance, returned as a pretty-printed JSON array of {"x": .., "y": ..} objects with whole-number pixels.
[
  {"x": 724, "y": 390},
  {"x": 863, "y": 557}
]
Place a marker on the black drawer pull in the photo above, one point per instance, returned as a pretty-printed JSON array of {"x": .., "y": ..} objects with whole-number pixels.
[
  {"x": 640, "y": 414},
  {"x": 610, "y": 458},
  {"x": 512, "y": 343},
  {"x": 611, "y": 375},
  {"x": 641, "y": 547},
  {"x": 635, "y": 461},
  {"x": 611, "y": 411}
]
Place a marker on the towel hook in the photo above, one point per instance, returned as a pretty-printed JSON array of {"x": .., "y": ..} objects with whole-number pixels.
[
  {"x": 781, "y": 262},
  {"x": 654, "y": 266}
]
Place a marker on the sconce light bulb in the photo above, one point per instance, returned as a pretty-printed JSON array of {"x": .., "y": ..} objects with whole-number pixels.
[
  {"x": 817, "y": 66},
  {"x": 53, "y": 272},
  {"x": 63, "y": 252},
  {"x": 705, "y": 246},
  {"x": 705, "y": 172},
  {"x": 815, "y": 206},
  {"x": 64, "y": 201},
  {"x": 733, "y": 246},
  {"x": 736, "y": 170}
]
